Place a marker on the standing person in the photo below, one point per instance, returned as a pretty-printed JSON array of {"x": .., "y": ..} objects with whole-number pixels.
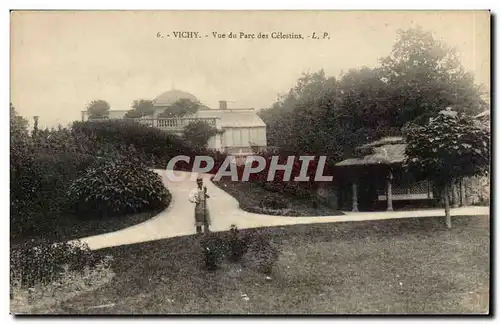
[{"x": 199, "y": 196}]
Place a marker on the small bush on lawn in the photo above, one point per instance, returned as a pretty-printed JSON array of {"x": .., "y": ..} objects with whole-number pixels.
[
  {"x": 214, "y": 249},
  {"x": 237, "y": 244},
  {"x": 121, "y": 187},
  {"x": 41, "y": 263},
  {"x": 253, "y": 248}
]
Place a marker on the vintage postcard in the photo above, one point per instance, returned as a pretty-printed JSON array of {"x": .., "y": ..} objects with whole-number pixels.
[{"x": 250, "y": 162}]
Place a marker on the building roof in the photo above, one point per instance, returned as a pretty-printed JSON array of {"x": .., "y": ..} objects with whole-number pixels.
[
  {"x": 388, "y": 150},
  {"x": 384, "y": 141},
  {"x": 169, "y": 97},
  {"x": 234, "y": 117}
]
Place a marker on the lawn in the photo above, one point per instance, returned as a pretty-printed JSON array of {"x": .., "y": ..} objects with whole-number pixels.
[
  {"x": 250, "y": 194},
  {"x": 389, "y": 266},
  {"x": 74, "y": 228}
]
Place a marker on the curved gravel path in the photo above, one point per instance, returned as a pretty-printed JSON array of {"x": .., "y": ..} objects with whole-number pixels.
[{"x": 177, "y": 219}]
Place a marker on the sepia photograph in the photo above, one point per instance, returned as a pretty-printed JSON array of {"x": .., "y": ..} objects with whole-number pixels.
[{"x": 210, "y": 162}]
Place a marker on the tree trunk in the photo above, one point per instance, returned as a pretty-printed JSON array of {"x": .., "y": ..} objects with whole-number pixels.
[
  {"x": 463, "y": 196},
  {"x": 454, "y": 194},
  {"x": 447, "y": 205}
]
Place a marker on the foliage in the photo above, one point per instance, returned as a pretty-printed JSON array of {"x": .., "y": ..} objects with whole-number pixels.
[
  {"x": 43, "y": 262},
  {"x": 180, "y": 108},
  {"x": 117, "y": 188},
  {"x": 214, "y": 248},
  {"x": 449, "y": 147},
  {"x": 42, "y": 166},
  {"x": 273, "y": 203},
  {"x": 148, "y": 142},
  {"x": 38, "y": 202},
  {"x": 197, "y": 133},
  {"x": 332, "y": 116},
  {"x": 42, "y": 298},
  {"x": 251, "y": 248},
  {"x": 424, "y": 75},
  {"x": 238, "y": 245},
  {"x": 141, "y": 108},
  {"x": 19, "y": 142},
  {"x": 98, "y": 109}
]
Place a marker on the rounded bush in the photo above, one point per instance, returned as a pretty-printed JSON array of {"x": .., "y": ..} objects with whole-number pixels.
[{"x": 117, "y": 188}]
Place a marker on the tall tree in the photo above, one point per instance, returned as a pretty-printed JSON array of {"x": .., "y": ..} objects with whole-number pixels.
[
  {"x": 141, "y": 108},
  {"x": 181, "y": 108},
  {"x": 98, "y": 109},
  {"x": 20, "y": 147},
  {"x": 449, "y": 147},
  {"x": 424, "y": 76},
  {"x": 18, "y": 125}
]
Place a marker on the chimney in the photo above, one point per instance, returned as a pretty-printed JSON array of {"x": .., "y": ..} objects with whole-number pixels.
[{"x": 223, "y": 105}]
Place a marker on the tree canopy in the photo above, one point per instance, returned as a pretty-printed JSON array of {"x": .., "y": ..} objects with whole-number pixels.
[
  {"x": 98, "y": 109},
  {"x": 449, "y": 147},
  {"x": 326, "y": 115},
  {"x": 180, "y": 108},
  {"x": 141, "y": 108}
]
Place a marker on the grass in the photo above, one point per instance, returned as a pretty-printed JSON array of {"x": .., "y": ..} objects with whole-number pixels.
[
  {"x": 74, "y": 228},
  {"x": 250, "y": 194},
  {"x": 398, "y": 266},
  {"x": 40, "y": 298}
]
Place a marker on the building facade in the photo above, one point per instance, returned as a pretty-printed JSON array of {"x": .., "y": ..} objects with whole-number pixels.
[{"x": 242, "y": 131}]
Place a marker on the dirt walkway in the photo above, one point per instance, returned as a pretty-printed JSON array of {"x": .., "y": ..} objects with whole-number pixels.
[{"x": 178, "y": 219}]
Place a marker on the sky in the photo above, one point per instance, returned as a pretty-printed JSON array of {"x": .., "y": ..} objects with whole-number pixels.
[{"x": 62, "y": 60}]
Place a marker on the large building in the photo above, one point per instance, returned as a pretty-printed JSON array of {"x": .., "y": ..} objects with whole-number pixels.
[{"x": 243, "y": 131}]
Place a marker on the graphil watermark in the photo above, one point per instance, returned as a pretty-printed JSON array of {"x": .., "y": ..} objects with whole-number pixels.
[{"x": 253, "y": 164}]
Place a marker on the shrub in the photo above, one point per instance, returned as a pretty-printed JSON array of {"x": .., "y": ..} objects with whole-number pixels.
[
  {"x": 214, "y": 249},
  {"x": 38, "y": 188},
  {"x": 197, "y": 133},
  {"x": 117, "y": 188},
  {"x": 41, "y": 263},
  {"x": 273, "y": 203},
  {"x": 253, "y": 248},
  {"x": 237, "y": 244},
  {"x": 148, "y": 141}
]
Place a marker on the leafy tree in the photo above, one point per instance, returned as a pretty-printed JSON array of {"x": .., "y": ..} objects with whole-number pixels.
[
  {"x": 180, "y": 108},
  {"x": 141, "y": 108},
  {"x": 325, "y": 115},
  {"x": 450, "y": 146},
  {"x": 19, "y": 141},
  {"x": 18, "y": 124},
  {"x": 293, "y": 121},
  {"x": 98, "y": 109},
  {"x": 424, "y": 76},
  {"x": 197, "y": 133}
]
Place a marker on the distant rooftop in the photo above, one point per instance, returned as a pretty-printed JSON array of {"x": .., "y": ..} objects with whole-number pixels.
[
  {"x": 168, "y": 98},
  {"x": 387, "y": 150}
]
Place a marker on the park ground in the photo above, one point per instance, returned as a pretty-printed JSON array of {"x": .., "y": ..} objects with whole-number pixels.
[
  {"x": 361, "y": 263},
  {"x": 396, "y": 266}
]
